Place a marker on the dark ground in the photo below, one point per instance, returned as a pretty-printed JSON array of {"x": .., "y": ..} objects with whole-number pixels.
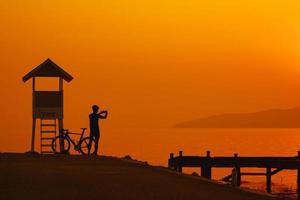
[{"x": 24, "y": 176}]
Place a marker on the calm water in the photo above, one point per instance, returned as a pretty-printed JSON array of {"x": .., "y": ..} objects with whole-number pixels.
[{"x": 154, "y": 146}]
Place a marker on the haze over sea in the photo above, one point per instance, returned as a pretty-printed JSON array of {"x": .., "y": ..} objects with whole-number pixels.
[{"x": 154, "y": 146}]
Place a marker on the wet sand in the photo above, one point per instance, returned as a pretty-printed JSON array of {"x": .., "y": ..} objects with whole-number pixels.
[{"x": 25, "y": 176}]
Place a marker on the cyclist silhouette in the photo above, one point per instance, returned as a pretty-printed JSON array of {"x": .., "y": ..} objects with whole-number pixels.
[{"x": 94, "y": 125}]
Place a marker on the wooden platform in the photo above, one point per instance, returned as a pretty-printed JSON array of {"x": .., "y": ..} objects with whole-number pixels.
[{"x": 273, "y": 165}]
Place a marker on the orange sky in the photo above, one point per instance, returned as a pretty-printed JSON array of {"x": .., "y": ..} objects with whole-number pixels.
[{"x": 150, "y": 63}]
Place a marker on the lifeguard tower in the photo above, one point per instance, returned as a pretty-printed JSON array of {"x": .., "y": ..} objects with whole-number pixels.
[{"x": 47, "y": 106}]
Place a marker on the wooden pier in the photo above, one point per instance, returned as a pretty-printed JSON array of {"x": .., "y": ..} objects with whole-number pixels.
[{"x": 272, "y": 166}]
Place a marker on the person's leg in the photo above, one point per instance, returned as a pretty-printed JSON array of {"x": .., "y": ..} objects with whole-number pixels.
[
  {"x": 96, "y": 138},
  {"x": 90, "y": 143}
]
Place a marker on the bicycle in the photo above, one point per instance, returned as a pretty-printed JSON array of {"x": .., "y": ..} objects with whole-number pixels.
[{"x": 62, "y": 143}]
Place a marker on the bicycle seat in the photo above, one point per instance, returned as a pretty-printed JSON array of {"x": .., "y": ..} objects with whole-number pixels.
[{"x": 83, "y": 129}]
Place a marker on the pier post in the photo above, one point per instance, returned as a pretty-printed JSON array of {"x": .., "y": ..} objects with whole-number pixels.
[
  {"x": 234, "y": 177},
  {"x": 206, "y": 167},
  {"x": 208, "y": 154},
  {"x": 268, "y": 179},
  {"x": 298, "y": 172},
  {"x": 180, "y": 153},
  {"x": 170, "y": 163},
  {"x": 206, "y": 171},
  {"x": 179, "y": 167},
  {"x": 298, "y": 175},
  {"x": 237, "y": 171}
]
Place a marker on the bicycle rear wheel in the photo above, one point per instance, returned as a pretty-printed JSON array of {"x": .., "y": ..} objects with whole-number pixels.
[
  {"x": 87, "y": 146},
  {"x": 60, "y": 144}
]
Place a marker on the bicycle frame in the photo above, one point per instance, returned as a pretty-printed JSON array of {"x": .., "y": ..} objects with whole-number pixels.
[{"x": 67, "y": 134}]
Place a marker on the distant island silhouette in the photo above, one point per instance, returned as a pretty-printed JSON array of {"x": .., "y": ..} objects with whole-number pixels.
[{"x": 275, "y": 118}]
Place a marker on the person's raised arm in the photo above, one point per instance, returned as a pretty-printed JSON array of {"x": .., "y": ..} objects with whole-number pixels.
[{"x": 103, "y": 114}]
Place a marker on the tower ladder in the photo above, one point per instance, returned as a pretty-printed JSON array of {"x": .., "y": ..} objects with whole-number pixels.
[{"x": 48, "y": 131}]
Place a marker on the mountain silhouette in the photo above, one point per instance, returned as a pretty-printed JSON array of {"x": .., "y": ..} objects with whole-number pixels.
[{"x": 275, "y": 118}]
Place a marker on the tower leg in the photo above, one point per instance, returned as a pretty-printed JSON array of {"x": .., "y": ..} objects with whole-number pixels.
[
  {"x": 33, "y": 134},
  {"x": 61, "y": 127}
]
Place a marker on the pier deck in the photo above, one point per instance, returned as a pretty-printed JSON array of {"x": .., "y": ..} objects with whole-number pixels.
[{"x": 273, "y": 165}]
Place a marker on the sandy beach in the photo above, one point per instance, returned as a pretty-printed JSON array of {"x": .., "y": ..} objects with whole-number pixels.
[{"x": 25, "y": 176}]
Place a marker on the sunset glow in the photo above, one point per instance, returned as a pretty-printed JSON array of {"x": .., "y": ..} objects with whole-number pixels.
[{"x": 150, "y": 63}]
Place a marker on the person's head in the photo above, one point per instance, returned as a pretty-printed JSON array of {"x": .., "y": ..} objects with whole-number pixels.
[{"x": 95, "y": 108}]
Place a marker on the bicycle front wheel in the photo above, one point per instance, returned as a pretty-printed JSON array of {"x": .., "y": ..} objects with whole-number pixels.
[
  {"x": 60, "y": 144},
  {"x": 87, "y": 146}
]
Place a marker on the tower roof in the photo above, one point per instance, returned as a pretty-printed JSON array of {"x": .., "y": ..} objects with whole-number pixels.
[{"x": 48, "y": 69}]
